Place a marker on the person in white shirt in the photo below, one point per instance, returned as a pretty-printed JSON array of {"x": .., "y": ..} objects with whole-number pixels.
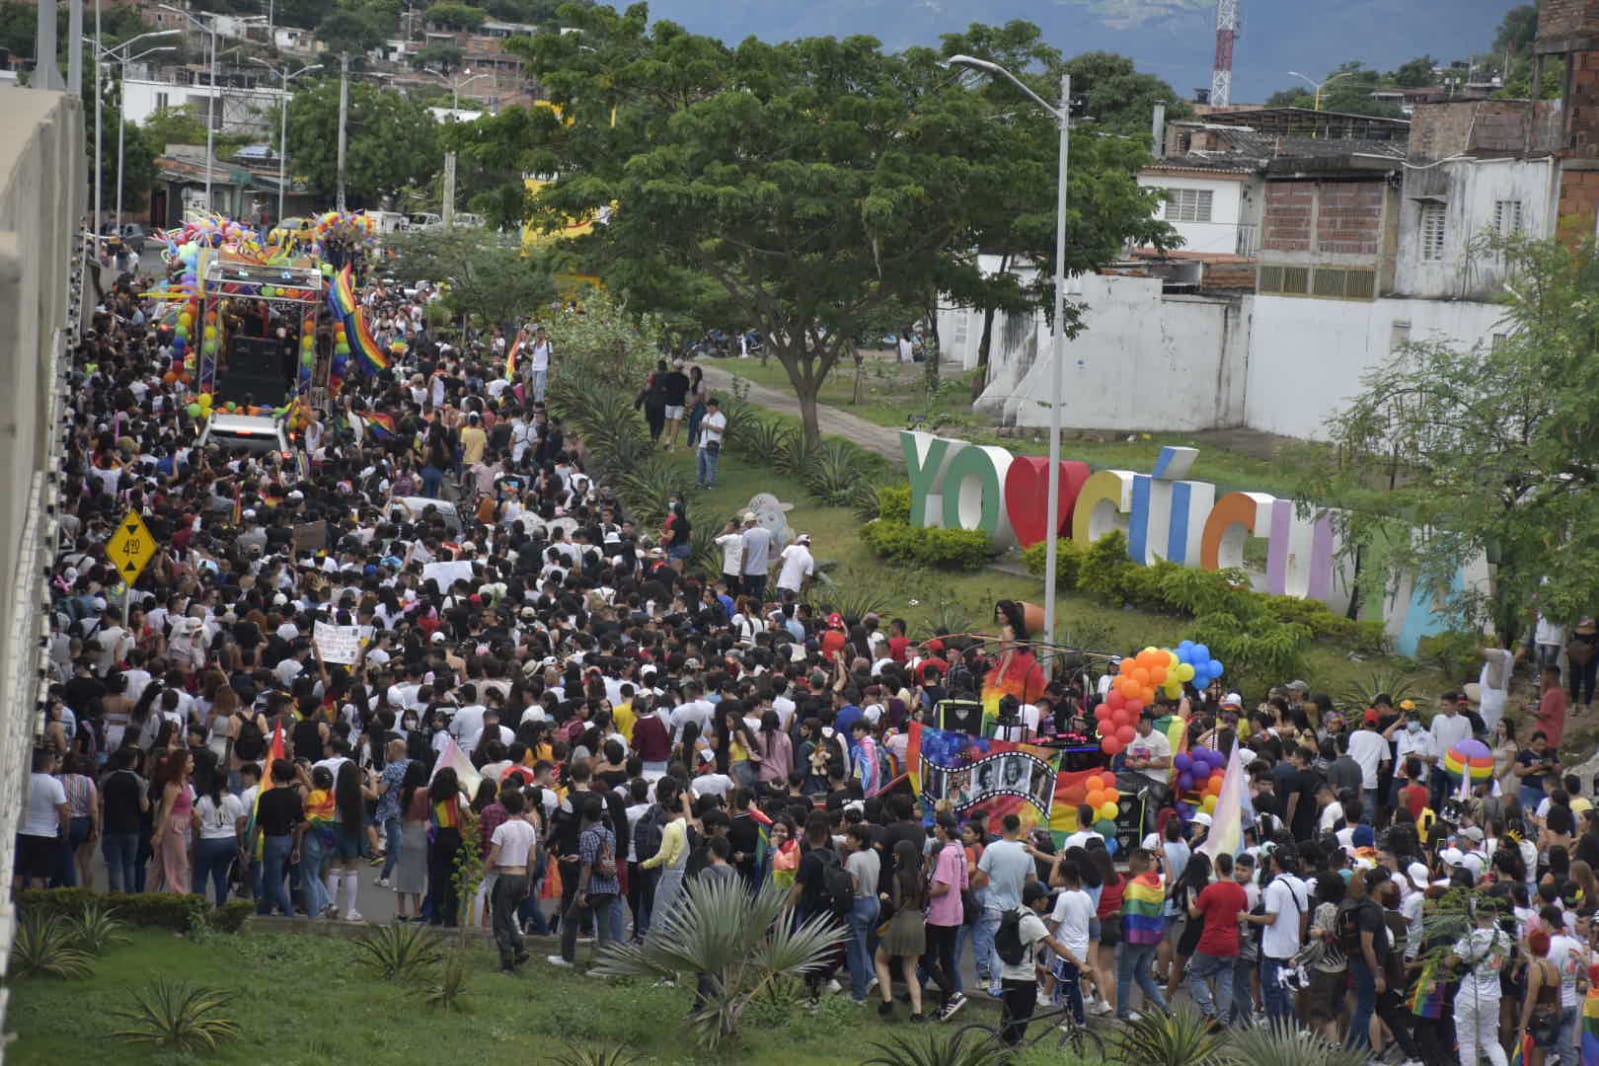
[
  {"x": 539, "y": 364},
  {"x": 511, "y": 850},
  {"x": 713, "y": 431},
  {"x": 1073, "y": 914},
  {"x": 1368, "y": 747},
  {"x": 1449, "y": 726},
  {"x": 1150, "y": 751},
  {"x": 796, "y": 565},
  {"x": 1284, "y": 903},
  {"x": 1410, "y": 737},
  {"x": 711, "y": 784},
  {"x": 694, "y": 708},
  {"x": 1494, "y": 684}
]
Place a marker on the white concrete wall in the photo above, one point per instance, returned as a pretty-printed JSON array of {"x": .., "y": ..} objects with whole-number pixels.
[
  {"x": 1228, "y": 210},
  {"x": 1307, "y": 356},
  {"x": 1142, "y": 361},
  {"x": 243, "y": 110},
  {"x": 1469, "y": 190}
]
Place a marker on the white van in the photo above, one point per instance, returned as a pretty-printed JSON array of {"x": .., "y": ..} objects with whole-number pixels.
[{"x": 254, "y": 433}]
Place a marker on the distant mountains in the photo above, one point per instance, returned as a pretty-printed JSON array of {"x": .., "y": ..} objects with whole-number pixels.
[{"x": 1173, "y": 39}]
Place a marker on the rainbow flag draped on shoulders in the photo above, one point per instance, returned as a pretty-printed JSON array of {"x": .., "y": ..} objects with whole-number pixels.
[
  {"x": 274, "y": 753},
  {"x": 1141, "y": 907},
  {"x": 1590, "y": 1028}
]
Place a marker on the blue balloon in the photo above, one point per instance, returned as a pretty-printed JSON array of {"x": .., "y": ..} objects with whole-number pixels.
[
  {"x": 1183, "y": 761},
  {"x": 1183, "y": 646},
  {"x": 1201, "y": 653},
  {"x": 1213, "y": 668},
  {"x": 179, "y": 344}
]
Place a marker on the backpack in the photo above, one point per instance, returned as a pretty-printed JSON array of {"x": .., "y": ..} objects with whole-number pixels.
[
  {"x": 838, "y": 888},
  {"x": 1008, "y": 939},
  {"x": 1349, "y": 931},
  {"x": 647, "y": 833},
  {"x": 605, "y": 862}
]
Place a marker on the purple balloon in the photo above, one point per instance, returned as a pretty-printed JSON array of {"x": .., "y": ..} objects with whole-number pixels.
[
  {"x": 1183, "y": 762},
  {"x": 1186, "y": 781}
]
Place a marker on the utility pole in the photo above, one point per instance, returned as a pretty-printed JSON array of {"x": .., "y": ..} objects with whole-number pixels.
[
  {"x": 344, "y": 118},
  {"x": 211, "y": 120},
  {"x": 75, "y": 44},
  {"x": 449, "y": 189},
  {"x": 99, "y": 105}
]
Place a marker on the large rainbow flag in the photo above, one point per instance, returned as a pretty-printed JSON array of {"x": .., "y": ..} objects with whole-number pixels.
[
  {"x": 342, "y": 301},
  {"x": 1590, "y": 1028},
  {"x": 274, "y": 753},
  {"x": 1141, "y": 907}
]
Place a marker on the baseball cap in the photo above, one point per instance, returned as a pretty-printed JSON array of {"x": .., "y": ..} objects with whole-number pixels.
[
  {"x": 1033, "y": 891},
  {"x": 836, "y": 619},
  {"x": 803, "y": 538},
  {"x": 1299, "y": 686},
  {"x": 1372, "y": 717},
  {"x": 1472, "y": 833},
  {"x": 1417, "y": 872},
  {"x": 1232, "y": 699},
  {"x": 1201, "y": 818}
]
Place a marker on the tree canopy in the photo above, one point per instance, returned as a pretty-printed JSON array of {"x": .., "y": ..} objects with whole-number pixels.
[
  {"x": 392, "y": 140},
  {"x": 795, "y": 188},
  {"x": 1488, "y": 450},
  {"x": 489, "y": 278}
]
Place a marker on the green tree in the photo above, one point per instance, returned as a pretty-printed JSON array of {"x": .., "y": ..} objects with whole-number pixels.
[
  {"x": 392, "y": 141},
  {"x": 172, "y": 125},
  {"x": 1416, "y": 74},
  {"x": 446, "y": 57},
  {"x": 490, "y": 279},
  {"x": 1119, "y": 98},
  {"x": 1015, "y": 219},
  {"x": 350, "y": 31},
  {"x": 1299, "y": 96},
  {"x": 1489, "y": 450},
  {"x": 1517, "y": 30},
  {"x": 797, "y": 188},
  {"x": 453, "y": 16}
]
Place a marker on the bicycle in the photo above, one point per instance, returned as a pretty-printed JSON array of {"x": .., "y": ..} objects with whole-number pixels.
[{"x": 1075, "y": 1036}]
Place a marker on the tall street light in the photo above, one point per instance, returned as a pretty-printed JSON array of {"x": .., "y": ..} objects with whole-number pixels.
[
  {"x": 1062, "y": 116},
  {"x": 1319, "y": 85},
  {"x": 118, "y": 54},
  {"x": 455, "y": 84},
  {"x": 283, "y": 129},
  {"x": 211, "y": 117}
]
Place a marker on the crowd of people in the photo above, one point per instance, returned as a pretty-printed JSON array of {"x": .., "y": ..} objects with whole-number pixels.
[{"x": 603, "y": 724}]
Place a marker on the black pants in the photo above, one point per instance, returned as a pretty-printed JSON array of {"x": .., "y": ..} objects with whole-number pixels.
[
  {"x": 571, "y": 870},
  {"x": 1582, "y": 680},
  {"x": 1391, "y": 1009},
  {"x": 510, "y": 890},
  {"x": 1436, "y": 1039},
  {"x": 441, "y": 876},
  {"x": 1016, "y": 1008},
  {"x": 940, "y": 957},
  {"x": 655, "y": 415}
]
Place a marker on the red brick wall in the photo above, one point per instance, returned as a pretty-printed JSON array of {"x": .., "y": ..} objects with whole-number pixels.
[
  {"x": 1287, "y": 221},
  {"x": 1350, "y": 219},
  {"x": 1579, "y": 205},
  {"x": 1568, "y": 18}
]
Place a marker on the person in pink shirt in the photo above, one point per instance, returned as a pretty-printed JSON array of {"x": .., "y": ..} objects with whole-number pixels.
[
  {"x": 945, "y": 912},
  {"x": 1552, "y": 707}
]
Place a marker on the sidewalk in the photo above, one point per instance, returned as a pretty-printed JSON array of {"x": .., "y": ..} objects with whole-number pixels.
[{"x": 869, "y": 435}]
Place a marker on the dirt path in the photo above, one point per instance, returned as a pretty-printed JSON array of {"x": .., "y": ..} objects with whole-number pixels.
[{"x": 869, "y": 435}]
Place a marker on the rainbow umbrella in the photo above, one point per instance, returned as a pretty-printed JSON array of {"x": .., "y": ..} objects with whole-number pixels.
[{"x": 1469, "y": 756}]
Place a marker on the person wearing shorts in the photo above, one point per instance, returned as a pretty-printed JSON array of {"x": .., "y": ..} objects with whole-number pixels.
[{"x": 44, "y": 825}]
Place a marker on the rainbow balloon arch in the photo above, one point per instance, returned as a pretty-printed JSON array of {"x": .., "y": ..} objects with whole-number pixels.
[{"x": 223, "y": 260}]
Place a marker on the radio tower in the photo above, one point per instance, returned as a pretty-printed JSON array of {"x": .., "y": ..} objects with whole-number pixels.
[{"x": 1221, "y": 75}]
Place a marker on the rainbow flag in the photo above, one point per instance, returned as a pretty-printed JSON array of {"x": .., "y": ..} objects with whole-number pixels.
[
  {"x": 1426, "y": 999},
  {"x": 510, "y": 359},
  {"x": 763, "y": 840},
  {"x": 365, "y": 345},
  {"x": 1590, "y": 1028},
  {"x": 465, "y": 773},
  {"x": 274, "y": 753},
  {"x": 341, "y": 294},
  {"x": 1227, "y": 821},
  {"x": 380, "y": 425},
  {"x": 1141, "y": 907}
]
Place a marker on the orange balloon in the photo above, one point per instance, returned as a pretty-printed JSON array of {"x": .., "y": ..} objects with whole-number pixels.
[
  {"x": 1112, "y": 795},
  {"x": 1094, "y": 783},
  {"x": 1096, "y": 799},
  {"x": 1157, "y": 675},
  {"x": 1147, "y": 694},
  {"x": 1213, "y": 786},
  {"x": 1141, "y": 676},
  {"x": 1126, "y": 667}
]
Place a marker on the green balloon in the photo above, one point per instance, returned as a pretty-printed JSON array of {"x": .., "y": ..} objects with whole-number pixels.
[
  {"x": 308, "y": 359},
  {"x": 194, "y": 410}
]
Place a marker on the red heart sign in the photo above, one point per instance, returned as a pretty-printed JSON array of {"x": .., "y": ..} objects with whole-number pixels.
[{"x": 1027, "y": 495}]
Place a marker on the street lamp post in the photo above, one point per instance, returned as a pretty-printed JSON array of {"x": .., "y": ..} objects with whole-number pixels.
[
  {"x": 1062, "y": 116},
  {"x": 455, "y": 84},
  {"x": 118, "y": 54},
  {"x": 211, "y": 117},
  {"x": 283, "y": 126},
  {"x": 1318, "y": 85}
]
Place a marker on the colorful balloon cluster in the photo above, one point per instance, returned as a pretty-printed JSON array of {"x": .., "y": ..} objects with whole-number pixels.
[
  {"x": 1201, "y": 770},
  {"x": 1197, "y": 656},
  {"x": 1470, "y": 755},
  {"x": 1138, "y": 679},
  {"x": 1100, "y": 793}
]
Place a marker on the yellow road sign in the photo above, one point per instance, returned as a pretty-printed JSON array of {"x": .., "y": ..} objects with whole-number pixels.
[{"x": 131, "y": 547}]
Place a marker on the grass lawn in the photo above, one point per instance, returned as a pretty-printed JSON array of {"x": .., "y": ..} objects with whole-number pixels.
[
  {"x": 302, "y": 1001},
  {"x": 926, "y": 598}
]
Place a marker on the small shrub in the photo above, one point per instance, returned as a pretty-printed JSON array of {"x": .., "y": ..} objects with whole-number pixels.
[
  {"x": 1068, "y": 562},
  {"x": 1371, "y": 637},
  {"x": 852, "y": 599},
  {"x": 157, "y": 910},
  {"x": 179, "y": 1017},
  {"x": 1105, "y": 568},
  {"x": 44, "y": 946},
  {"x": 932, "y": 1047},
  {"x": 759, "y": 438},
  {"x": 572, "y": 1055},
  {"x": 1257, "y": 646},
  {"x": 959, "y": 549},
  {"x": 894, "y": 503},
  {"x": 449, "y": 989},
  {"x": 1363, "y": 692},
  {"x": 836, "y": 470},
  {"x": 399, "y": 952},
  {"x": 97, "y": 928},
  {"x": 1455, "y": 654},
  {"x": 232, "y": 915}
]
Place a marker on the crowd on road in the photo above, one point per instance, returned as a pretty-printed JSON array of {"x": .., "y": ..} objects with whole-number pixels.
[{"x": 551, "y": 687}]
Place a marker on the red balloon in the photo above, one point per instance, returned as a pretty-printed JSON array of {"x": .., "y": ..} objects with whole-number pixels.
[
  {"x": 1125, "y": 734},
  {"x": 1113, "y": 746},
  {"x": 1103, "y": 712},
  {"x": 1134, "y": 707},
  {"x": 1115, "y": 699}
]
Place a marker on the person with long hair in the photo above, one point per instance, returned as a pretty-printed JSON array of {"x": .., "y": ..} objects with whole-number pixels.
[
  {"x": 317, "y": 841},
  {"x": 446, "y": 804},
  {"x": 76, "y": 866},
  {"x": 1195, "y": 876},
  {"x": 353, "y": 789},
  {"x": 776, "y": 751},
  {"x": 173, "y": 821},
  {"x": 410, "y": 875},
  {"x": 906, "y": 936},
  {"x": 219, "y": 820}
]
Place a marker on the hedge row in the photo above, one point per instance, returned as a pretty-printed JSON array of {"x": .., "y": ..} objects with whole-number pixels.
[{"x": 159, "y": 910}]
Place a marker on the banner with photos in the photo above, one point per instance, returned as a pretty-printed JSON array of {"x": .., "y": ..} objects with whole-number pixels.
[{"x": 971, "y": 775}]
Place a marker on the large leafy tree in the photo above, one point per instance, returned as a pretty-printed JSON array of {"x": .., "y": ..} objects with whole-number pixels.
[
  {"x": 1491, "y": 449},
  {"x": 489, "y": 277},
  {"x": 796, "y": 188},
  {"x": 1118, "y": 98},
  {"x": 392, "y": 141}
]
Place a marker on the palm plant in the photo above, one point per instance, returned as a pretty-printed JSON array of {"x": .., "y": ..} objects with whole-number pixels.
[
  {"x": 1362, "y": 692},
  {"x": 836, "y": 471},
  {"x": 739, "y": 943},
  {"x": 449, "y": 987},
  {"x": 97, "y": 928},
  {"x": 1276, "y": 1046},
  {"x": 847, "y": 596},
  {"x": 178, "y": 1016},
  {"x": 399, "y": 952},
  {"x": 928, "y": 1047},
  {"x": 573, "y": 1055},
  {"x": 46, "y": 947},
  {"x": 1180, "y": 1037}
]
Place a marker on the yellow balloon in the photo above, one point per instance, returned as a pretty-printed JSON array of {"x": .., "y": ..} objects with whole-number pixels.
[
  {"x": 1209, "y": 805},
  {"x": 1171, "y": 659},
  {"x": 1149, "y": 649},
  {"x": 1109, "y": 811}
]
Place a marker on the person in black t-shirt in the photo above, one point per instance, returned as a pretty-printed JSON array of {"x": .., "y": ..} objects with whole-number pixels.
[
  {"x": 280, "y": 819},
  {"x": 674, "y": 389},
  {"x": 125, "y": 796}
]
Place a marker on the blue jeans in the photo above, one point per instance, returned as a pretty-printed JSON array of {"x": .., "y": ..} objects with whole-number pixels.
[
  {"x": 391, "y": 833},
  {"x": 312, "y": 858},
  {"x": 1133, "y": 964},
  {"x": 1565, "y": 1051},
  {"x": 862, "y": 920},
  {"x": 1279, "y": 1004},
  {"x": 618, "y": 919},
  {"x": 212, "y": 859},
  {"x": 432, "y": 481},
  {"x": 982, "y": 933},
  {"x": 1365, "y": 1004},
  {"x": 275, "y": 852},
  {"x": 541, "y": 384},
  {"x": 1201, "y": 968},
  {"x": 708, "y": 463},
  {"x": 1069, "y": 990},
  {"x": 1243, "y": 1011},
  {"x": 121, "y": 851}
]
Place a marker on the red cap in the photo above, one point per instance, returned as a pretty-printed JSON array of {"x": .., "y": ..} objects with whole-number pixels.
[
  {"x": 1372, "y": 717},
  {"x": 836, "y": 619}
]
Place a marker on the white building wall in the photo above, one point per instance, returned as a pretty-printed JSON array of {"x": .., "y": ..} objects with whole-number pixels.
[
  {"x": 1469, "y": 189},
  {"x": 1306, "y": 356},
  {"x": 1229, "y": 210},
  {"x": 1142, "y": 360},
  {"x": 243, "y": 110}
]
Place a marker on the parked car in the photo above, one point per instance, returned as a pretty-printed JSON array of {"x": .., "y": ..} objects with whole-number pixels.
[{"x": 255, "y": 433}]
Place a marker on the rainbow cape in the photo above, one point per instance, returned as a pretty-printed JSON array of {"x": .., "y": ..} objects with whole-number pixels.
[
  {"x": 1590, "y": 1028},
  {"x": 1141, "y": 907},
  {"x": 365, "y": 345},
  {"x": 510, "y": 359}
]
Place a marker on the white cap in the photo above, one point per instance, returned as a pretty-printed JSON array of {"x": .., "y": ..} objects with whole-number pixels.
[
  {"x": 1201, "y": 818},
  {"x": 1419, "y": 876}
]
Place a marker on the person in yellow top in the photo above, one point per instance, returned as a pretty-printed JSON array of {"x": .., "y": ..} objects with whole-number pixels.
[
  {"x": 672, "y": 858},
  {"x": 474, "y": 442},
  {"x": 624, "y": 716}
]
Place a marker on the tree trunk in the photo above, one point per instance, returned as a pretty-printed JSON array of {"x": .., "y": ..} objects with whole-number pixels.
[
  {"x": 807, "y": 394},
  {"x": 984, "y": 345}
]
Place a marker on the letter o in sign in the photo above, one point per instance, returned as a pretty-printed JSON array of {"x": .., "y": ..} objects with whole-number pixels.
[{"x": 974, "y": 490}]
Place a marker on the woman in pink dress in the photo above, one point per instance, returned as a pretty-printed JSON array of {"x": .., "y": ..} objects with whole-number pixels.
[{"x": 174, "y": 819}]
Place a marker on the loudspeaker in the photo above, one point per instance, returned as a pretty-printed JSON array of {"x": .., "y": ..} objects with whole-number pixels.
[{"x": 960, "y": 716}]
